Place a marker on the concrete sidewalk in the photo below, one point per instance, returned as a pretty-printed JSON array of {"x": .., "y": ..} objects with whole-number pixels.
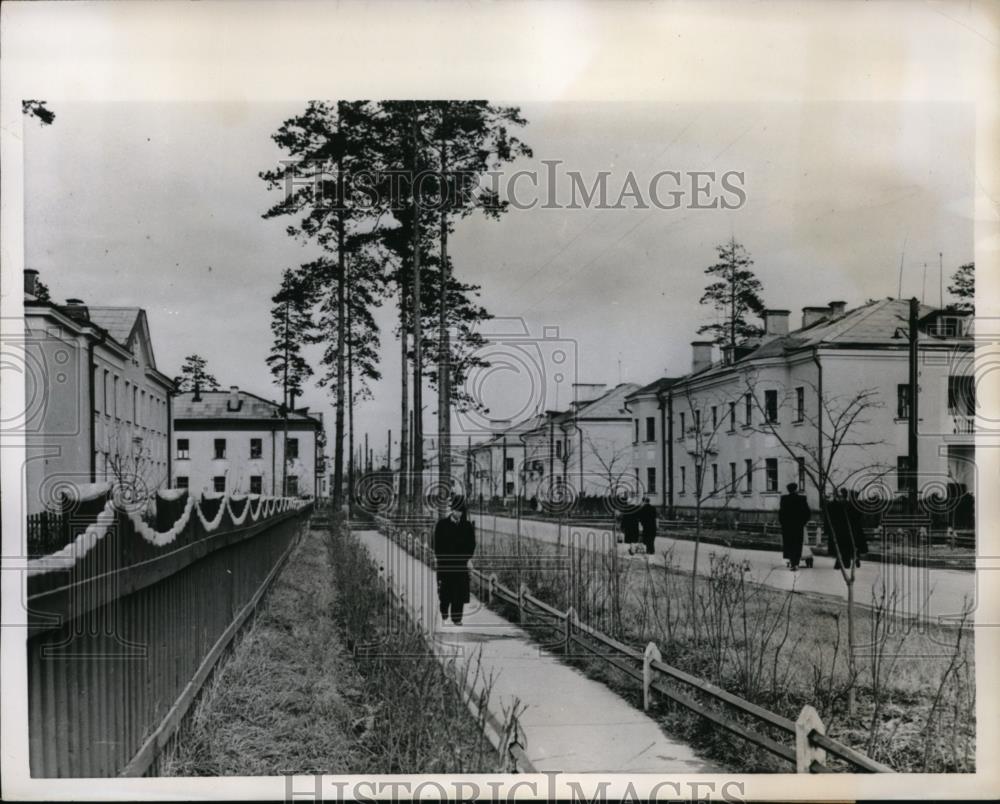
[
  {"x": 571, "y": 723},
  {"x": 937, "y": 595}
]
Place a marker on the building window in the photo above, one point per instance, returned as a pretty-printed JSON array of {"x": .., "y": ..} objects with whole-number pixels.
[
  {"x": 732, "y": 477},
  {"x": 107, "y": 386},
  {"x": 748, "y": 470},
  {"x": 683, "y": 426},
  {"x": 715, "y": 478},
  {"x": 114, "y": 398},
  {"x": 219, "y": 483},
  {"x": 771, "y": 474},
  {"x": 771, "y": 406},
  {"x": 683, "y": 479},
  {"x": 903, "y": 401},
  {"x": 256, "y": 447},
  {"x": 715, "y": 417},
  {"x": 800, "y": 403},
  {"x": 220, "y": 449},
  {"x": 256, "y": 484},
  {"x": 903, "y": 478},
  {"x": 181, "y": 482},
  {"x": 748, "y": 409},
  {"x": 732, "y": 417},
  {"x": 650, "y": 428},
  {"x": 559, "y": 449},
  {"x": 183, "y": 449},
  {"x": 510, "y": 464},
  {"x": 697, "y": 421},
  {"x": 651, "y": 479},
  {"x": 802, "y": 473},
  {"x": 509, "y": 487},
  {"x": 293, "y": 485},
  {"x": 635, "y": 423},
  {"x": 140, "y": 416},
  {"x": 293, "y": 449}
]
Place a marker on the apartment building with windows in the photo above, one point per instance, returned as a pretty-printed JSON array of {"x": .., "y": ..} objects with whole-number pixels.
[
  {"x": 836, "y": 392},
  {"x": 97, "y": 406},
  {"x": 585, "y": 449},
  {"x": 234, "y": 442}
]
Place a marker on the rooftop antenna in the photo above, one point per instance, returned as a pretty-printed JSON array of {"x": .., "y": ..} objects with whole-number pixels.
[
  {"x": 902, "y": 255},
  {"x": 619, "y": 368},
  {"x": 923, "y": 286}
]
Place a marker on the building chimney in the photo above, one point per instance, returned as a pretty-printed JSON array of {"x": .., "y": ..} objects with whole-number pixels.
[
  {"x": 776, "y": 322},
  {"x": 30, "y": 281},
  {"x": 234, "y": 398},
  {"x": 701, "y": 355},
  {"x": 837, "y": 308},
  {"x": 810, "y": 315}
]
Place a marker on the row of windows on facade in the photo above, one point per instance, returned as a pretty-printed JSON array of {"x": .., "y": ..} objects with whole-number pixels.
[
  {"x": 256, "y": 483},
  {"x": 961, "y": 402},
  {"x": 771, "y": 479},
  {"x": 137, "y": 407},
  {"x": 220, "y": 448}
]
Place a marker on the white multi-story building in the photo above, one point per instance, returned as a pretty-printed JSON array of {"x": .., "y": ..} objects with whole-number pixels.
[
  {"x": 830, "y": 400},
  {"x": 586, "y": 449},
  {"x": 98, "y": 409},
  {"x": 234, "y": 442}
]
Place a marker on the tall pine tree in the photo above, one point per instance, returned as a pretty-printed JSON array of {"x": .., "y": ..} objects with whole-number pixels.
[
  {"x": 963, "y": 287},
  {"x": 735, "y": 295}
]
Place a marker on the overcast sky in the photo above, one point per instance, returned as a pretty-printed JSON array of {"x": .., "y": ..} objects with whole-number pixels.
[{"x": 159, "y": 206}]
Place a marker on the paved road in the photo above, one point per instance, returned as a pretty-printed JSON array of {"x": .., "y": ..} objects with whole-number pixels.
[
  {"x": 571, "y": 723},
  {"x": 939, "y": 595}
]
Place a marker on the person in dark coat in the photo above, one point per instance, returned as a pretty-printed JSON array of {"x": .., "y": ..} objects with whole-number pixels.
[
  {"x": 647, "y": 519},
  {"x": 846, "y": 533},
  {"x": 454, "y": 545},
  {"x": 793, "y": 514},
  {"x": 630, "y": 529}
]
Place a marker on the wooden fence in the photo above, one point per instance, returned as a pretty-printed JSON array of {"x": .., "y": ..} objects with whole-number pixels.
[{"x": 126, "y": 625}]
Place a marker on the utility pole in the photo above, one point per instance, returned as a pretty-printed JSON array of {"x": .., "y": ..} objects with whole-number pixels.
[
  {"x": 284, "y": 447},
  {"x": 914, "y": 409},
  {"x": 418, "y": 358}
]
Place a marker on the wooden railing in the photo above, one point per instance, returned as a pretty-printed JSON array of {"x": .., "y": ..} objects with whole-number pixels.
[
  {"x": 126, "y": 624},
  {"x": 811, "y": 745}
]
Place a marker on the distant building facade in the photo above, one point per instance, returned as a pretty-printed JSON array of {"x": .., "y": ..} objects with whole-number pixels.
[
  {"x": 234, "y": 442},
  {"x": 97, "y": 407},
  {"x": 583, "y": 450}
]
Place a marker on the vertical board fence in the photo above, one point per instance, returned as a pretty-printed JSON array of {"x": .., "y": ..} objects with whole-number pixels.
[{"x": 120, "y": 641}]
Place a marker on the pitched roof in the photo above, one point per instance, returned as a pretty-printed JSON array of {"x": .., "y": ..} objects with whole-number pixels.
[
  {"x": 215, "y": 405},
  {"x": 118, "y": 321},
  {"x": 654, "y": 387}
]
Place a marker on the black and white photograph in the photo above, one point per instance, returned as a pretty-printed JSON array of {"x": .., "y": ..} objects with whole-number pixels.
[{"x": 493, "y": 401}]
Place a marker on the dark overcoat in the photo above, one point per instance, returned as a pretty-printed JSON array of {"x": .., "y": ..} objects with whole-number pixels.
[{"x": 454, "y": 545}]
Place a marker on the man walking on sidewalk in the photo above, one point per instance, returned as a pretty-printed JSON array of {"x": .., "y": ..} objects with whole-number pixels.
[
  {"x": 647, "y": 519},
  {"x": 793, "y": 514},
  {"x": 454, "y": 545}
]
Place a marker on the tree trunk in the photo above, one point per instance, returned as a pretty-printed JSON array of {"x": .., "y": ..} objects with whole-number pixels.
[
  {"x": 851, "y": 660},
  {"x": 444, "y": 357},
  {"x": 350, "y": 406},
  {"x": 338, "y": 447},
  {"x": 418, "y": 358},
  {"x": 286, "y": 401},
  {"x": 404, "y": 426}
]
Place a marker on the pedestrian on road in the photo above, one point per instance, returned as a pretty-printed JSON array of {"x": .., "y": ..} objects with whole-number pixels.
[
  {"x": 846, "y": 532},
  {"x": 630, "y": 528},
  {"x": 647, "y": 519},
  {"x": 793, "y": 514},
  {"x": 454, "y": 545}
]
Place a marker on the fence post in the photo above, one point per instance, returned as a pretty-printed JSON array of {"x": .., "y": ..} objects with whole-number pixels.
[
  {"x": 805, "y": 752},
  {"x": 570, "y": 618},
  {"x": 952, "y": 538},
  {"x": 521, "y": 592},
  {"x": 650, "y": 655},
  {"x": 493, "y": 583}
]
